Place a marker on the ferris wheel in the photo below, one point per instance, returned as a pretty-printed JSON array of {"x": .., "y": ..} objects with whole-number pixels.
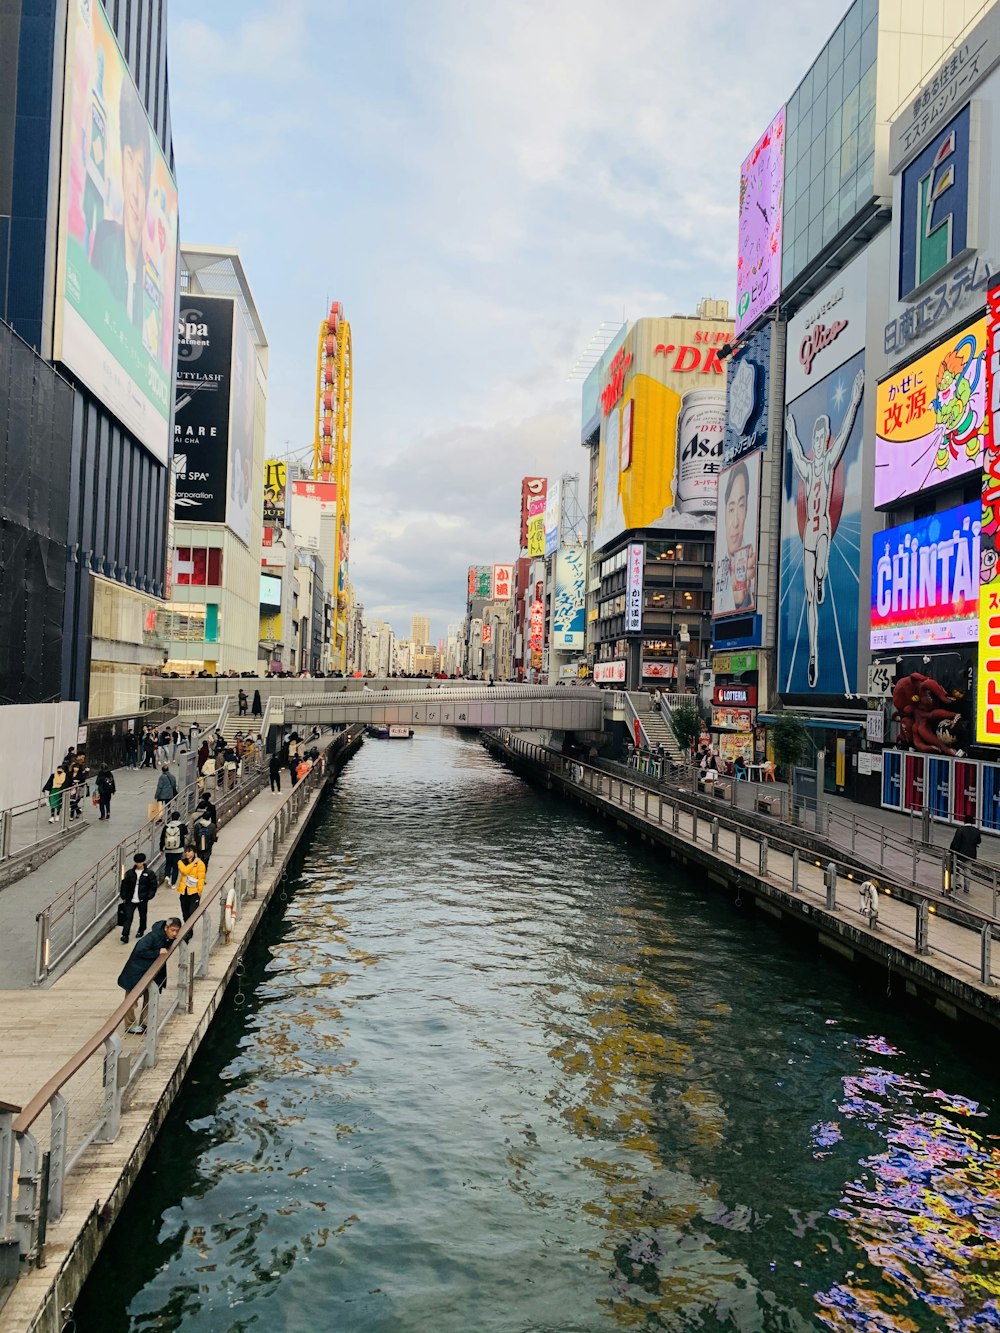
[{"x": 332, "y": 451}]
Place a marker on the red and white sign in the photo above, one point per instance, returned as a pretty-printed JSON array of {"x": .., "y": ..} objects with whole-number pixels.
[
  {"x": 324, "y": 491},
  {"x": 609, "y": 673},
  {"x": 660, "y": 670},
  {"x": 687, "y": 357},
  {"x": 735, "y": 696},
  {"x": 537, "y": 626},
  {"x": 487, "y": 634},
  {"x": 733, "y": 719},
  {"x": 503, "y": 583},
  {"x": 615, "y": 387}
]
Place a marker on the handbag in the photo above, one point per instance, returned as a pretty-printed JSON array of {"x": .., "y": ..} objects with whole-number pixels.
[
  {"x": 96, "y": 799},
  {"x": 122, "y": 912}
]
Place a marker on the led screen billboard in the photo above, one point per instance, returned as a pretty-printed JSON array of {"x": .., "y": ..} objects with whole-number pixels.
[
  {"x": 270, "y": 590},
  {"x": 737, "y": 522},
  {"x": 758, "y": 264},
  {"x": 931, "y": 417},
  {"x": 988, "y": 675},
  {"x": 202, "y": 410},
  {"x": 925, "y": 581},
  {"x": 821, "y": 535},
  {"x": 569, "y": 599},
  {"x": 117, "y": 238}
]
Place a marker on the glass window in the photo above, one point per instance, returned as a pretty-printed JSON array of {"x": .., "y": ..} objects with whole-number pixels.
[
  {"x": 816, "y": 159},
  {"x": 806, "y": 90},
  {"x": 852, "y": 66},
  {"x": 820, "y": 69},
  {"x": 848, "y": 200},
  {"x": 850, "y": 114},
  {"x": 815, "y": 199},
  {"x": 866, "y": 96},
  {"x": 831, "y": 177},
  {"x": 852, "y": 24},
  {"x": 831, "y": 221},
  {"x": 836, "y": 47},
  {"x": 869, "y": 45},
  {"x": 834, "y": 92},
  {"x": 214, "y": 574},
  {"x": 866, "y": 136},
  {"x": 869, "y": 12},
  {"x": 815, "y": 236},
  {"x": 866, "y": 180}
]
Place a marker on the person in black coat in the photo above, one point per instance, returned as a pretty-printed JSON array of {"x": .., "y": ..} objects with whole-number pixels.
[
  {"x": 257, "y": 708},
  {"x": 141, "y": 959},
  {"x": 137, "y": 887},
  {"x": 274, "y": 767},
  {"x": 965, "y": 844},
  {"x": 105, "y": 783}
]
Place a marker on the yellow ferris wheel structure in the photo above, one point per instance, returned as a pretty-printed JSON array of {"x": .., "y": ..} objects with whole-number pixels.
[{"x": 332, "y": 458}]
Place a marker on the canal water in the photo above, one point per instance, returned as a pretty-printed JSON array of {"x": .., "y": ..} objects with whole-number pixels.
[{"x": 495, "y": 1069}]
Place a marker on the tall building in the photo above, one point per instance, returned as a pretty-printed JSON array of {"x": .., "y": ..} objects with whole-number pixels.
[
  {"x": 420, "y": 630},
  {"x": 88, "y": 281},
  {"x": 212, "y": 622}
]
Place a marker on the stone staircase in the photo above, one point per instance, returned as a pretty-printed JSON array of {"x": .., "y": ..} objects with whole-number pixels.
[{"x": 656, "y": 726}]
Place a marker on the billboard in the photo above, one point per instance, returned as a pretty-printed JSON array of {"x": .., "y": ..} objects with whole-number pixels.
[
  {"x": 270, "y": 590},
  {"x": 325, "y": 492},
  {"x": 827, "y": 330},
  {"x": 925, "y": 581},
  {"x": 748, "y": 375},
  {"x": 988, "y": 675},
  {"x": 117, "y": 237},
  {"x": 758, "y": 264},
  {"x": 736, "y": 536},
  {"x": 662, "y": 430},
  {"x": 821, "y": 535},
  {"x": 275, "y": 480},
  {"x": 935, "y": 223},
  {"x": 480, "y": 582},
  {"x": 633, "y": 588},
  {"x": 536, "y": 520},
  {"x": 202, "y": 408},
  {"x": 569, "y": 600},
  {"x": 242, "y": 414},
  {"x": 551, "y": 518},
  {"x": 503, "y": 583},
  {"x": 532, "y": 488},
  {"x": 931, "y": 418},
  {"x": 609, "y": 673}
]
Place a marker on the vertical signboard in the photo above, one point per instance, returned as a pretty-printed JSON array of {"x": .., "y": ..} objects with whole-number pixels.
[
  {"x": 570, "y": 598},
  {"x": 736, "y": 534},
  {"x": 201, "y": 417},
  {"x": 275, "y": 480},
  {"x": 531, "y": 489},
  {"x": 536, "y": 520},
  {"x": 242, "y": 413},
  {"x": 633, "y": 588},
  {"x": 117, "y": 239},
  {"x": 503, "y": 578},
  {"x": 758, "y": 265},
  {"x": 988, "y": 675},
  {"x": 551, "y": 518}
]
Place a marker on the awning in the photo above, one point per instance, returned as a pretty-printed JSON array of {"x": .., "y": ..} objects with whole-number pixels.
[{"x": 817, "y": 723}]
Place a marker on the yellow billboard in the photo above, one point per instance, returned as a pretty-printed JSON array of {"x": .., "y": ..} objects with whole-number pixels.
[{"x": 662, "y": 428}]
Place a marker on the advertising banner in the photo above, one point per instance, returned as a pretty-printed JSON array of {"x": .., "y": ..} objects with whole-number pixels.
[
  {"x": 747, "y": 378},
  {"x": 324, "y": 492},
  {"x": 201, "y": 415},
  {"x": 117, "y": 237},
  {"x": 503, "y": 580},
  {"x": 536, "y": 626},
  {"x": 821, "y": 535},
  {"x": 275, "y": 478},
  {"x": 551, "y": 518},
  {"x": 736, "y": 532},
  {"x": 735, "y": 696},
  {"x": 536, "y": 523},
  {"x": 480, "y": 582},
  {"x": 569, "y": 600},
  {"x": 733, "y": 664},
  {"x": 633, "y": 588},
  {"x": 931, "y": 419},
  {"x": 241, "y": 431},
  {"x": 532, "y": 488},
  {"x": 925, "y": 581},
  {"x": 609, "y": 673},
  {"x": 827, "y": 330},
  {"x": 270, "y": 590},
  {"x": 988, "y": 675},
  {"x": 758, "y": 264},
  {"x": 733, "y": 719},
  {"x": 659, "y": 670}
]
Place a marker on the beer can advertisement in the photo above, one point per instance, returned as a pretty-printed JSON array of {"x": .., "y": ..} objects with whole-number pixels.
[
  {"x": 821, "y": 536},
  {"x": 925, "y": 581},
  {"x": 736, "y": 531},
  {"x": 931, "y": 418},
  {"x": 117, "y": 240}
]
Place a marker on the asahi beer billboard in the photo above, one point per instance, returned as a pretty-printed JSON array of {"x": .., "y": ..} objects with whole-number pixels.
[{"x": 202, "y": 411}]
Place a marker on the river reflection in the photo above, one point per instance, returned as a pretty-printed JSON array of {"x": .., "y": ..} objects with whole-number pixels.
[{"x": 499, "y": 1071}]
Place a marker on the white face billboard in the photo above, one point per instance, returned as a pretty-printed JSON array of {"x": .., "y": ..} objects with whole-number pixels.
[
  {"x": 828, "y": 330},
  {"x": 117, "y": 241},
  {"x": 737, "y": 522}
]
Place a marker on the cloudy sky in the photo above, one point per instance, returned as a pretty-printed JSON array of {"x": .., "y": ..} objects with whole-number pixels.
[{"x": 482, "y": 183}]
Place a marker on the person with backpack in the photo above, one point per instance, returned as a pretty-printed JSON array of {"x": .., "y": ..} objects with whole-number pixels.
[
  {"x": 137, "y": 887},
  {"x": 205, "y": 833},
  {"x": 190, "y": 881},
  {"x": 105, "y": 784},
  {"x": 173, "y": 836}
]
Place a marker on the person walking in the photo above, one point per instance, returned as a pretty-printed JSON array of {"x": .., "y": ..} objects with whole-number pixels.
[
  {"x": 164, "y": 745},
  {"x": 964, "y": 848},
  {"x": 274, "y": 769},
  {"x": 202, "y": 756},
  {"x": 205, "y": 802},
  {"x": 137, "y": 887},
  {"x": 194, "y": 734},
  {"x": 205, "y": 834},
  {"x": 173, "y": 836},
  {"x": 257, "y": 708},
  {"x": 175, "y": 740},
  {"x": 166, "y": 785},
  {"x": 131, "y": 750},
  {"x": 55, "y": 786},
  {"x": 148, "y": 749},
  {"x": 190, "y": 881},
  {"x": 242, "y": 697},
  {"x": 77, "y": 791},
  {"x": 145, "y": 953},
  {"x": 105, "y": 784}
]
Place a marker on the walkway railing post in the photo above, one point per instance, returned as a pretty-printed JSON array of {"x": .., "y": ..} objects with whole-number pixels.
[
  {"x": 152, "y": 1024},
  {"x": 28, "y": 1182},
  {"x": 115, "y": 1078},
  {"x": 795, "y": 870},
  {"x": 830, "y": 876},
  {"x": 739, "y": 842},
  {"x": 985, "y": 949},
  {"x": 58, "y": 1137},
  {"x": 763, "y": 856},
  {"x": 715, "y": 835},
  {"x": 922, "y": 928}
]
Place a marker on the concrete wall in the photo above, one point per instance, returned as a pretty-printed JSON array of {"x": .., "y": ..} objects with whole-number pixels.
[{"x": 34, "y": 738}]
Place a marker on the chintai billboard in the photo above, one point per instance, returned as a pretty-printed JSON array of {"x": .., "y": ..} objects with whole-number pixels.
[{"x": 925, "y": 581}]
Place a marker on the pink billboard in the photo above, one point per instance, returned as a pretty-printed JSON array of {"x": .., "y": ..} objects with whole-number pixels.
[{"x": 758, "y": 266}]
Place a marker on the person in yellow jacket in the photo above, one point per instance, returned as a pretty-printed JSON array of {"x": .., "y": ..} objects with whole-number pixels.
[{"x": 190, "y": 881}]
